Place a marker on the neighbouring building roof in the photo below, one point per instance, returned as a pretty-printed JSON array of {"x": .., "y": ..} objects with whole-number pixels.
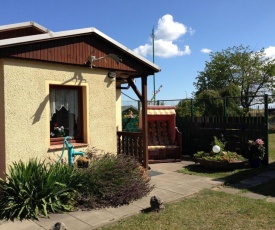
[
  {"x": 21, "y": 29},
  {"x": 129, "y": 107}
]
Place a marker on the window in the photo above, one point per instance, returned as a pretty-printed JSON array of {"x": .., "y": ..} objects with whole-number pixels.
[{"x": 66, "y": 113}]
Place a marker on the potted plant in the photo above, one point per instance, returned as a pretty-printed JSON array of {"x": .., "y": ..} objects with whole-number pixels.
[
  {"x": 82, "y": 162},
  {"x": 219, "y": 157},
  {"x": 256, "y": 152}
]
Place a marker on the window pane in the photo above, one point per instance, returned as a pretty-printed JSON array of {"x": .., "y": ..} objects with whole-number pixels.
[{"x": 65, "y": 113}]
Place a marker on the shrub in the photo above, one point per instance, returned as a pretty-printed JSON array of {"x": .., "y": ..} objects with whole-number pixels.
[
  {"x": 112, "y": 181},
  {"x": 34, "y": 189}
]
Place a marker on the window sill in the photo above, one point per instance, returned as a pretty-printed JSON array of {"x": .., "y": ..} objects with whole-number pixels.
[{"x": 55, "y": 147}]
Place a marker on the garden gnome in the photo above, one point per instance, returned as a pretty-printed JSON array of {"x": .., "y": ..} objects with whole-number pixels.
[
  {"x": 156, "y": 204},
  {"x": 59, "y": 226}
]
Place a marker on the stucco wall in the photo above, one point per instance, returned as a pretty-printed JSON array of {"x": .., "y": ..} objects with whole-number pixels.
[
  {"x": 2, "y": 122},
  {"x": 118, "y": 110},
  {"x": 26, "y": 88}
]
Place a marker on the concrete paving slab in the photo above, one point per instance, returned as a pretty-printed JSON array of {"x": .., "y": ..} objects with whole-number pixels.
[
  {"x": 163, "y": 184},
  {"x": 262, "y": 179},
  {"x": 53, "y": 218},
  {"x": 270, "y": 174},
  {"x": 203, "y": 183},
  {"x": 271, "y": 199},
  {"x": 251, "y": 181},
  {"x": 188, "y": 177},
  {"x": 183, "y": 190},
  {"x": 143, "y": 203},
  {"x": 167, "y": 196},
  {"x": 170, "y": 177},
  {"x": 72, "y": 224},
  {"x": 169, "y": 167},
  {"x": 241, "y": 186},
  {"x": 95, "y": 217},
  {"x": 20, "y": 225},
  {"x": 124, "y": 211}
]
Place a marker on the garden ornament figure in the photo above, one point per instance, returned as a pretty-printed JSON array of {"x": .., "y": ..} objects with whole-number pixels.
[
  {"x": 91, "y": 59},
  {"x": 156, "y": 204},
  {"x": 71, "y": 152},
  {"x": 59, "y": 226},
  {"x": 216, "y": 149}
]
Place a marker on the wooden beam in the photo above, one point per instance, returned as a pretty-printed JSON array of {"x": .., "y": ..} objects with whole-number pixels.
[
  {"x": 144, "y": 121},
  {"x": 134, "y": 87}
]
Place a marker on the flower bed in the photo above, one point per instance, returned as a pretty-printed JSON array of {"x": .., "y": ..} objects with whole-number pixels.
[
  {"x": 220, "y": 165},
  {"x": 219, "y": 158}
]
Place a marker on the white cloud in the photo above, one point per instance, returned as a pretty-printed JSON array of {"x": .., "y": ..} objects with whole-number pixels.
[
  {"x": 206, "y": 51},
  {"x": 168, "y": 29},
  {"x": 270, "y": 51},
  {"x": 167, "y": 34},
  {"x": 144, "y": 50},
  {"x": 168, "y": 49}
]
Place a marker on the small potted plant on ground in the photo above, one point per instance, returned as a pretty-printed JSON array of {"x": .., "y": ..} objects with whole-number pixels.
[
  {"x": 256, "y": 152},
  {"x": 82, "y": 162}
]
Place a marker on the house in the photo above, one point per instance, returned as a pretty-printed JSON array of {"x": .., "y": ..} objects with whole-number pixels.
[{"x": 63, "y": 83}]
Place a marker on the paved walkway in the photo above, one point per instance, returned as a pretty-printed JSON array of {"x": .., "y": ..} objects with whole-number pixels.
[
  {"x": 249, "y": 183},
  {"x": 169, "y": 186}
]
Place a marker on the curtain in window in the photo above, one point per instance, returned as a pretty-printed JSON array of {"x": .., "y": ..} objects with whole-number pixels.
[{"x": 67, "y": 98}]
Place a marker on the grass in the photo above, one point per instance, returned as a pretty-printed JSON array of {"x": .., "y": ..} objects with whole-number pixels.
[
  {"x": 206, "y": 210},
  {"x": 230, "y": 177}
]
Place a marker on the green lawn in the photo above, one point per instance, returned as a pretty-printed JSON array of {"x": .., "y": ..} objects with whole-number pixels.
[
  {"x": 206, "y": 210},
  {"x": 230, "y": 177}
]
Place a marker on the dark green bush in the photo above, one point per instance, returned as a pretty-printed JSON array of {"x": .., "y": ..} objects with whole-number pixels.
[
  {"x": 113, "y": 181},
  {"x": 34, "y": 189}
]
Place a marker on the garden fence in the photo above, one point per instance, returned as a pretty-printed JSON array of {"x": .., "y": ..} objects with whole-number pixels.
[{"x": 200, "y": 120}]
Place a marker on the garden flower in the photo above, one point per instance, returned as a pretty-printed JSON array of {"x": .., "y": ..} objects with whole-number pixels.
[{"x": 256, "y": 149}]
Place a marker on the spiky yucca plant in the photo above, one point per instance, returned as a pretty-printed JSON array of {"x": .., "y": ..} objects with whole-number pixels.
[{"x": 34, "y": 189}]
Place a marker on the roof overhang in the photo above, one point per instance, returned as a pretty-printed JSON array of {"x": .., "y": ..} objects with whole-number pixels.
[{"x": 69, "y": 33}]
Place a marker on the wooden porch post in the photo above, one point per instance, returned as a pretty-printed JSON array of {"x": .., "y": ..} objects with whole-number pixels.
[
  {"x": 144, "y": 121},
  {"x": 143, "y": 98}
]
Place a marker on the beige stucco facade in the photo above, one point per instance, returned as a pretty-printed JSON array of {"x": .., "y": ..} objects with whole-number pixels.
[{"x": 25, "y": 112}]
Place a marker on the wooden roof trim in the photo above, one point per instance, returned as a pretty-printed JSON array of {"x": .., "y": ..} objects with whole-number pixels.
[{"x": 73, "y": 33}]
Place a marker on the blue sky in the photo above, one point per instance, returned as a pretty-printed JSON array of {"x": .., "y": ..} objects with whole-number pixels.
[{"x": 186, "y": 30}]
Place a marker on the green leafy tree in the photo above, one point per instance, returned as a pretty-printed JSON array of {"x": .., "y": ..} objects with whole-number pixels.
[
  {"x": 183, "y": 108},
  {"x": 237, "y": 71}
]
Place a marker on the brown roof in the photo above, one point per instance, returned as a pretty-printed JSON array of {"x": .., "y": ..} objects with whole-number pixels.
[{"x": 34, "y": 42}]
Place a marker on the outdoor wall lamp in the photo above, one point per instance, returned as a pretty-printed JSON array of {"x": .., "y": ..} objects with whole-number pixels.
[{"x": 112, "y": 76}]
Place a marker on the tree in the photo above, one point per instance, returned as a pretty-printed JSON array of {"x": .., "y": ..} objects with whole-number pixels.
[{"x": 238, "y": 71}]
